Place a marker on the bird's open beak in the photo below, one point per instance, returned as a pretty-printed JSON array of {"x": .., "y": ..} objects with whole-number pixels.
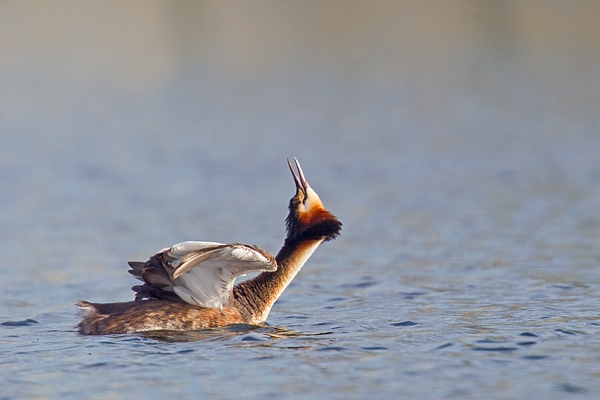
[{"x": 301, "y": 183}]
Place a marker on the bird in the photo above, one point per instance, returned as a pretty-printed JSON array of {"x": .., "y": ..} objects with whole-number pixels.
[{"x": 190, "y": 285}]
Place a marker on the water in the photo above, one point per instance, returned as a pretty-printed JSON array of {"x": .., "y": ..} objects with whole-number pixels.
[{"x": 458, "y": 143}]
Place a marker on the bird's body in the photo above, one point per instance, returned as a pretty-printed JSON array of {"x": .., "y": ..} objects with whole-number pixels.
[{"x": 190, "y": 286}]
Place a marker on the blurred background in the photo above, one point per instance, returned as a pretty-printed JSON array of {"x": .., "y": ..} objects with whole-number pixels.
[{"x": 428, "y": 127}]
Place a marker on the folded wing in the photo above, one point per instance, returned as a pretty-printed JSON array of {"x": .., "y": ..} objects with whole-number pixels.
[{"x": 199, "y": 273}]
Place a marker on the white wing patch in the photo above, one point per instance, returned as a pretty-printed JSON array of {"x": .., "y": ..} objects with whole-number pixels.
[{"x": 203, "y": 273}]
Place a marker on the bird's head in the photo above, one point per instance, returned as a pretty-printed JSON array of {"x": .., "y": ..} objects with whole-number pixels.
[{"x": 308, "y": 219}]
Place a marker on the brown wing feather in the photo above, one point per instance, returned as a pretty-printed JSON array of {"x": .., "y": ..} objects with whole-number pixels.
[
  {"x": 157, "y": 274},
  {"x": 136, "y": 268},
  {"x": 157, "y": 284},
  {"x": 268, "y": 255}
]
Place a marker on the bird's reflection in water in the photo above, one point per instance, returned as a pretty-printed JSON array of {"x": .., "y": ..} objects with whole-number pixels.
[{"x": 240, "y": 333}]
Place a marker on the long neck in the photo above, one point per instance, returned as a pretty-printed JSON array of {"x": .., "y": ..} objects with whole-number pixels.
[{"x": 255, "y": 297}]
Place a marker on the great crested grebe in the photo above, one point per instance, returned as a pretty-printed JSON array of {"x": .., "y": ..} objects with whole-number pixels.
[{"x": 189, "y": 286}]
